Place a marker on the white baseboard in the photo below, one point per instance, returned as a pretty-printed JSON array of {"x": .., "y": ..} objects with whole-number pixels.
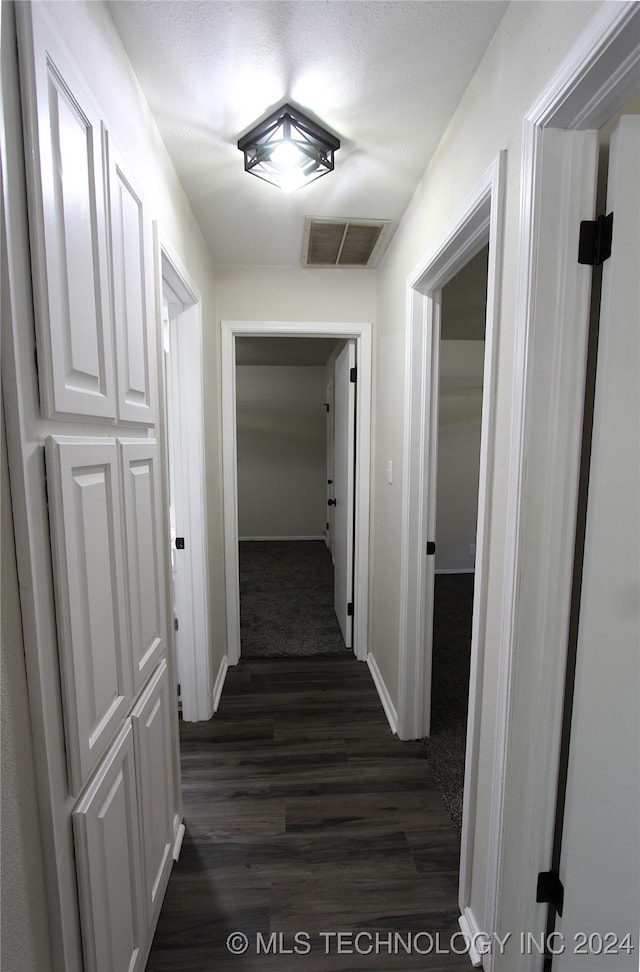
[
  {"x": 457, "y": 570},
  {"x": 219, "y": 685},
  {"x": 383, "y": 692},
  {"x": 320, "y": 536},
  {"x": 472, "y": 933},
  {"x": 177, "y": 843}
]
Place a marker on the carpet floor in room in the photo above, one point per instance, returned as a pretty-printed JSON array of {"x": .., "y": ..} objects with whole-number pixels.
[
  {"x": 286, "y": 600},
  {"x": 305, "y": 815},
  {"x": 446, "y": 746}
]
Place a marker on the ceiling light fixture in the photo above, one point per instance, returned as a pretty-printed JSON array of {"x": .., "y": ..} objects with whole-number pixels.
[{"x": 288, "y": 150}]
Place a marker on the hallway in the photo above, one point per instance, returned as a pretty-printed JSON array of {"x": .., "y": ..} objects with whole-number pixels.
[{"x": 304, "y": 814}]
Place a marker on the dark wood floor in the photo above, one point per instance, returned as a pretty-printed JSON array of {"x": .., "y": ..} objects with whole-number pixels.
[{"x": 304, "y": 814}]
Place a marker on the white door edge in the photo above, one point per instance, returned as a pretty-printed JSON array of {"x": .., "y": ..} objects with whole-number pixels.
[{"x": 189, "y": 474}]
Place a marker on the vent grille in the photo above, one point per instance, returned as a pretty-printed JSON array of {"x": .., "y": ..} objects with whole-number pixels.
[{"x": 343, "y": 242}]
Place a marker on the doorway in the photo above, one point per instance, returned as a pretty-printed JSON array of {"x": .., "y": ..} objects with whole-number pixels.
[
  {"x": 361, "y": 335},
  {"x": 289, "y": 601},
  {"x": 461, "y": 378},
  {"x": 478, "y": 223}
]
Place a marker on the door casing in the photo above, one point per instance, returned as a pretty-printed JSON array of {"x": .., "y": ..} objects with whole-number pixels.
[
  {"x": 361, "y": 333},
  {"x": 595, "y": 80},
  {"x": 479, "y": 222},
  {"x": 188, "y": 462}
]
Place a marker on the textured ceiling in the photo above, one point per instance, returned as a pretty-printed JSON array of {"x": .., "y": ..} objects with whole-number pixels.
[{"x": 385, "y": 76}]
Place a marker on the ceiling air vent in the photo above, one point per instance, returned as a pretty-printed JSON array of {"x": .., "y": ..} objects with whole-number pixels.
[{"x": 343, "y": 242}]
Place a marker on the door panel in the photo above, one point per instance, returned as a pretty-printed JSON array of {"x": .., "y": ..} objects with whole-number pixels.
[
  {"x": 151, "y": 720},
  {"x": 90, "y": 602},
  {"x": 143, "y": 552},
  {"x": 344, "y": 480},
  {"x": 330, "y": 464},
  {"x": 68, "y": 237},
  {"x": 599, "y": 864},
  {"x": 103, "y": 530},
  {"x": 134, "y": 325},
  {"x": 105, "y": 824}
]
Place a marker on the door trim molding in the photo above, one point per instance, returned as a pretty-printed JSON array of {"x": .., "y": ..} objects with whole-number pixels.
[
  {"x": 189, "y": 470},
  {"x": 362, "y": 334},
  {"x": 595, "y": 79},
  {"x": 479, "y": 222}
]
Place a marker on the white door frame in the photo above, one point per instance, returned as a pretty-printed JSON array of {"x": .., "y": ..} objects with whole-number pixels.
[
  {"x": 479, "y": 222},
  {"x": 361, "y": 333},
  {"x": 594, "y": 81},
  {"x": 189, "y": 476}
]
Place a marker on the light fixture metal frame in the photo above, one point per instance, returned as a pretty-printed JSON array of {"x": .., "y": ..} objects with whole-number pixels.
[{"x": 315, "y": 145}]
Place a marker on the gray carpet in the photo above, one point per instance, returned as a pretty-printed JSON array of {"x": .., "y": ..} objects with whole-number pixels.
[
  {"x": 445, "y": 747},
  {"x": 286, "y": 600}
]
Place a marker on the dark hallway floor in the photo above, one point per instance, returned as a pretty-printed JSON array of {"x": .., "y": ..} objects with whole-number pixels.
[{"x": 304, "y": 814}]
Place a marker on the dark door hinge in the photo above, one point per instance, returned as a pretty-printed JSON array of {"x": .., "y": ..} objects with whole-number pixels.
[
  {"x": 179, "y": 690},
  {"x": 176, "y": 625},
  {"x": 327, "y": 406},
  {"x": 350, "y": 609},
  {"x": 353, "y": 375},
  {"x": 550, "y": 890},
  {"x": 179, "y": 543},
  {"x": 594, "y": 245},
  {"x": 431, "y": 547}
]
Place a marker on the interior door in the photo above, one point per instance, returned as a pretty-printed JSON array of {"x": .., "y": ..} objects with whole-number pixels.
[
  {"x": 431, "y": 481},
  {"x": 344, "y": 482},
  {"x": 600, "y": 854},
  {"x": 108, "y": 855},
  {"x": 330, "y": 464}
]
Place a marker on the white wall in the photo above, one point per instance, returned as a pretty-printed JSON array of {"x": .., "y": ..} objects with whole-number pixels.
[
  {"x": 459, "y": 417},
  {"x": 281, "y": 436},
  {"x": 528, "y": 47},
  {"x": 295, "y": 294}
]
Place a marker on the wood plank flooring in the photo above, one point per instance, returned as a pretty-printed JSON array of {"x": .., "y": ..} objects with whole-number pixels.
[{"x": 305, "y": 816}]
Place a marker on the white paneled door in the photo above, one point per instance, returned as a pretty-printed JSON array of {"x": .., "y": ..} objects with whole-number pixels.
[
  {"x": 151, "y": 720},
  {"x": 108, "y": 855},
  {"x": 67, "y": 220},
  {"x": 93, "y": 634},
  {"x": 114, "y": 805},
  {"x": 144, "y": 554},
  {"x": 131, "y": 249},
  {"x": 343, "y": 488},
  {"x": 600, "y": 856}
]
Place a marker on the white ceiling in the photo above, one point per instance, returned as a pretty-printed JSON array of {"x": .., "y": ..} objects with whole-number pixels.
[{"x": 384, "y": 75}]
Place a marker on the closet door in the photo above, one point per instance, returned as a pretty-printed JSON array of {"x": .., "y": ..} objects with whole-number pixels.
[
  {"x": 105, "y": 824},
  {"x": 144, "y": 554},
  {"x": 93, "y": 636},
  {"x": 151, "y": 720},
  {"x": 68, "y": 229},
  {"x": 133, "y": 306},
  {"x": 600, "y": 856}
]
